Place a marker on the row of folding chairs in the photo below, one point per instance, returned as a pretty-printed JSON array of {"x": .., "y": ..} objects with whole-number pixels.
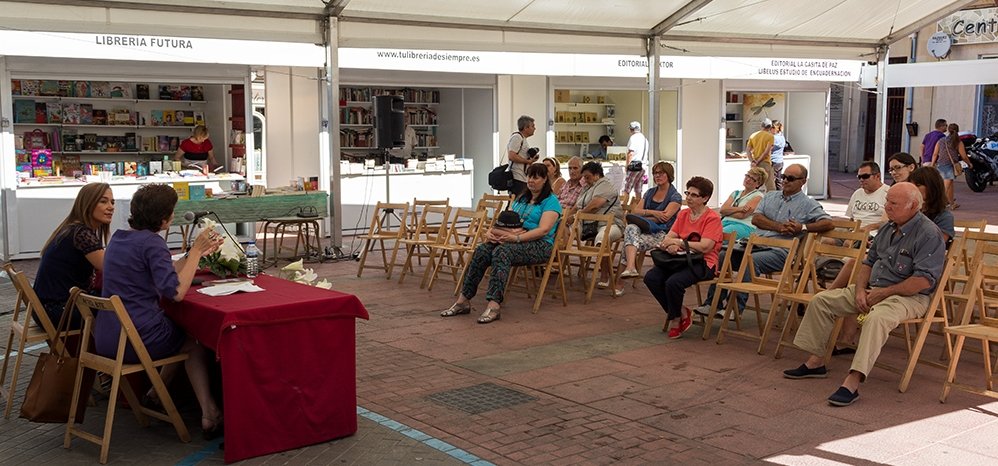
[{"x": 30, "y": 324}]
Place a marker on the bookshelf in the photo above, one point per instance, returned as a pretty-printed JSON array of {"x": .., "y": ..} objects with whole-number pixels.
[
  {"x": 580, "y": 119},
  {"x": 734, "y": 128},
  {"x": 89, "y": 126},
  {"x": 357, "y": 117}
]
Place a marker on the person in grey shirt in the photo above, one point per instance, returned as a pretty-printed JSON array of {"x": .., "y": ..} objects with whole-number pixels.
[
  {"x": 517, "y": 154},
  {"x": 783, "y": 214},
  {"x": 895, "y": 283}
]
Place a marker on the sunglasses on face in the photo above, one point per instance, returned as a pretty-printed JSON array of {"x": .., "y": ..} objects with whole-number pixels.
[
  {"x": 864, "y": 176},
  {"x": 791, "y": 178},
  {"x": 691, "y": 194}
]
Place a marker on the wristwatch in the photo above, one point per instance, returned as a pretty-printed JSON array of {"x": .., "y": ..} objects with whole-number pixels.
[{"x": 803, "y": 228}]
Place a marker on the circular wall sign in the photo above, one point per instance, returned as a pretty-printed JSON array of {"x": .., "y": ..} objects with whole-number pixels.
[{"x": 939, "y": 45}]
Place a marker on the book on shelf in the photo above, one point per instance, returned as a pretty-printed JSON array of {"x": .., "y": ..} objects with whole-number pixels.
[
  {"x": 30, "y": 87},
  {"x": 70, "y": 113},
  {"x": 36, "y": 139},
  {"x": 169, "y": 117},
  {"x": 189, "y": 119},
  {"x": 156, "y": 117},
  {"x": 179, "y": 116},
  {"x": 24, "y": 111},
  {"x": 89, "y": 142},
  {"x": 66, "y": 89},
  {"x": 86, "y": 114},
  {"x": 198, "y": 118},
  {"x": 41, "y": 112},
  {"x": 81, "y": 89},
  {"x": 101, "y": 89},
  {"x": 100, "y": 117},
  {"x": 185, "y": 92},
  {"x": 71, "y": 166},
  {"x": 197, "y": 92},
  {"x": 22, "y": 160},
  {"x": 15, "y": 87},
  {"x": 69, "y": 141},
  {"x": 130, "y": 142},
  {"x": 54, "y": 111},
  {"x": 49, "y": 88},
  {"x": 163, "y": 144},
  {"x": 41, "y": 162},
  {"x": 142, "y": 91},
  {"x": 155, "y": 166},
  {"x": 142, "y": 169},
  {"x": 121, "y": 90},
  {"x": 165, "y": 93}
]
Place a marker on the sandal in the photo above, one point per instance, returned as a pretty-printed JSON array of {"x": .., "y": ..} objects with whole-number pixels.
[
  {"x": 490, "y": 315},
  {"x": 456, "y": 310},
  {"x": 632, "y": 273},
  {"x": 603, "y": 285}
]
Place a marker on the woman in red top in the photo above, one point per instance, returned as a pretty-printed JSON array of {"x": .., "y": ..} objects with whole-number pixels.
[
  {"x": 197, "y": 149},
  {"x": 701, "y": 226}
]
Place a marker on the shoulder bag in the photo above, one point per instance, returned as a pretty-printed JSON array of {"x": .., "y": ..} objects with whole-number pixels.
[
  {"x": 501, "y": 177},
  {"x": 672, "y": 263},
  {"x": 636, "y": 165},
  {"x": 957, "y": 168},
  {"x": 50, "y": 391},
  {"x": 590, "y": 229}
]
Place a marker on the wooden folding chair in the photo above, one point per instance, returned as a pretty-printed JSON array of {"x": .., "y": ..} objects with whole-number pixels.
[
  {"x": 417, "y": 210},
  {"x": 936, "y": 315},
  {"x": 387, "y": 224},
  {"x": 723, "y": 274},
  {"x": 576, "y": 247},
  {"x": 966, "y": 249},
  {"x": 25, "y": 330},
  {"x": 755, "y": 286},
  {"x": 493, "y": 204},
  {"x": 430, "y": 229},
  {"x": 809, "y": 284},
  {"x": 117, "y": 369},
  {"x": 529, "y": 273},
  {"x": 982, "y": 293},
  {"x": 452, "y": 254}
]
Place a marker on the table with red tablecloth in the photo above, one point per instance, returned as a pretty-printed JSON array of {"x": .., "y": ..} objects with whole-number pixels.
[{"x": 288, "y": 362}]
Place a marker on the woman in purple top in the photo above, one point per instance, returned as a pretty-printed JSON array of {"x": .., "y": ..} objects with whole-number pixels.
[{"x": 138, "y": 268}]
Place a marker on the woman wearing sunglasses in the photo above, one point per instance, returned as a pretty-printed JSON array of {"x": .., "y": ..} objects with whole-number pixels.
[
  {"x": 696, "y": 229},
  {"x": 737, "y": 211}
]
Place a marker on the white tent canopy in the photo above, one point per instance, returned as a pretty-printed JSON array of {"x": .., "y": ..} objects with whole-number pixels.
[{"x": 774, "y": 28}]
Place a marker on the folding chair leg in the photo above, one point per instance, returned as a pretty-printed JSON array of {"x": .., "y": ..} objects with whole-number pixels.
[
  {"x": 363, "y": 257},
  {"x": 714, "y": 303},
  {"x": 13, "y": 377},
  {"x": 953, "y": 362},
  {"x": 774, "y": 312},
  {"x": 169, "y": 407}
]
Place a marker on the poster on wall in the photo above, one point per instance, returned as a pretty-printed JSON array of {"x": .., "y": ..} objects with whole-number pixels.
[{"x": 760, "y": 106}]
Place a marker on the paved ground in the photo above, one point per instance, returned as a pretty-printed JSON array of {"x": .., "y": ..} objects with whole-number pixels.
[{"x": 584, "y": 384}]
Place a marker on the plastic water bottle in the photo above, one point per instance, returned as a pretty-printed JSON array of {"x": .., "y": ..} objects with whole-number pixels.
[{"x": 252, "y": 260}]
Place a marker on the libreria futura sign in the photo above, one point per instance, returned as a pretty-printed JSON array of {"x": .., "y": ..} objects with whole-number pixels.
[{"x": 138, "y": 41}]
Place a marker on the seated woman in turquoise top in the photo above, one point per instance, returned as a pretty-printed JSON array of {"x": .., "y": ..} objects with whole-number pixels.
[
  {"x": 737, "y": 211},
  {"x": 507, "y": 246}
]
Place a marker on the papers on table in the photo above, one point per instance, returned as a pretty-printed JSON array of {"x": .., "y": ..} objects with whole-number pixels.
[{"x": 229, "y": 288}]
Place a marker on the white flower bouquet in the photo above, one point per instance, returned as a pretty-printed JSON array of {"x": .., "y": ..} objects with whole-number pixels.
[
  {"x": 297, "y": 272},
  {"x": 228, "y": 260}
]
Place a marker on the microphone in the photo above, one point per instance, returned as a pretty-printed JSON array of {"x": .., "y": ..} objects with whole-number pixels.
[{"x": 194, "y": 216}]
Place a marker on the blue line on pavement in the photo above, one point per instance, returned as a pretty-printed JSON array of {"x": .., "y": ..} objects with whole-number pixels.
[
  {"x": 198, "y": 456},
  {"x": 27, "y": 350},
  {"x": 427, "y": 440}
]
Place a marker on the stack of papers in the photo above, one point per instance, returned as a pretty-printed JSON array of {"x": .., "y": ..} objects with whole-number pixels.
[{"x": 229, "y": 288}]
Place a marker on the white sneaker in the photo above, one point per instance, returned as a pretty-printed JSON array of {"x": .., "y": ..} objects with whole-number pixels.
[
  {"x": 632, "y": 273},
  {"x": 705, "y": 310}
]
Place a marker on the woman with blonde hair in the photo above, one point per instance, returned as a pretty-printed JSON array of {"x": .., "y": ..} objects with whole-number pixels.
[
  {"x": 197, "y": 149},
  {"x": 737, "y": 211},
  {"x": 554, "y": 175},
  {"x": 75, "y": 251}
]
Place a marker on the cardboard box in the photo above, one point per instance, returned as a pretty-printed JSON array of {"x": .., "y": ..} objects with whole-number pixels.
[{"x": 562, "y": 95}]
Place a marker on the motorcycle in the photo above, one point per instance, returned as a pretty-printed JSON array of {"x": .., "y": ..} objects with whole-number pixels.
[{"x": 983, "y": 154}]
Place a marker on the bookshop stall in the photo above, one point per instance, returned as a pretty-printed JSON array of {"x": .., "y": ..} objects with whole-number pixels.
[
  {"x": 119, "y": 115},
  {"x": 449, "y": 122}
]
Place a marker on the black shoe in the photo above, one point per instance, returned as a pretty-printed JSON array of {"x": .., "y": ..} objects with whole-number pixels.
[
  {"x": 843, "y": 397},
  {"x": 803, "y": 372},
  {"x": 841, "y": 351}
]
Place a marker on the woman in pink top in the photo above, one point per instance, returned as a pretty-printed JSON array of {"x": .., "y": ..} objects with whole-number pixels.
[{"x": 701, "y": 228}]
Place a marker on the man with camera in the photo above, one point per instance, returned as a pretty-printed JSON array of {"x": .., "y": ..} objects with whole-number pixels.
[{"x": 520, "y": 155}]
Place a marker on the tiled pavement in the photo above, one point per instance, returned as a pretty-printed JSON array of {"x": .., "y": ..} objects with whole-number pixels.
[{"x": 606, "y": 387}]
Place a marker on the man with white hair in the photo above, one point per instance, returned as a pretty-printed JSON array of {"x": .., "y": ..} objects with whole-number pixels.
[
  {"x": 638, "y": 150},
  {"x": 895, "y": 282}
]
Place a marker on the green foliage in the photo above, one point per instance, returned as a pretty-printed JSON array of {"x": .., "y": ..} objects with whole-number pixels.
[{"x": 223, "y": 268}]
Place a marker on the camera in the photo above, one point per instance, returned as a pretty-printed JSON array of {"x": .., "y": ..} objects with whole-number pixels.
[{"x": 533, "y": 152}]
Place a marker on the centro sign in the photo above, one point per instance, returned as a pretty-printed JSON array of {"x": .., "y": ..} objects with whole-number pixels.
[{"x": 971, "y": 26}]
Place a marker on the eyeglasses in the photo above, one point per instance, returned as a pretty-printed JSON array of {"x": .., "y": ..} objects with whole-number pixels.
[
  {"x": 657, "y": 173},
  {"x": 752, "y": 178},
  {"x": 692, "y": 194},
  {"x": 791, "y": 178},
  {"x": 864, "y": 176},
  {"x": 895, "y": 168}
]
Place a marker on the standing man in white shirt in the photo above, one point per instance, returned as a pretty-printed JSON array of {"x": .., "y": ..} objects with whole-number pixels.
[
  {"x": 638, "y": 150},
  {"x": 517, "y": 153}
]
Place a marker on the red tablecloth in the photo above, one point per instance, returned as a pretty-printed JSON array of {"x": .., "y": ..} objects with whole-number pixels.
[{"x": 288, "y": 363}]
